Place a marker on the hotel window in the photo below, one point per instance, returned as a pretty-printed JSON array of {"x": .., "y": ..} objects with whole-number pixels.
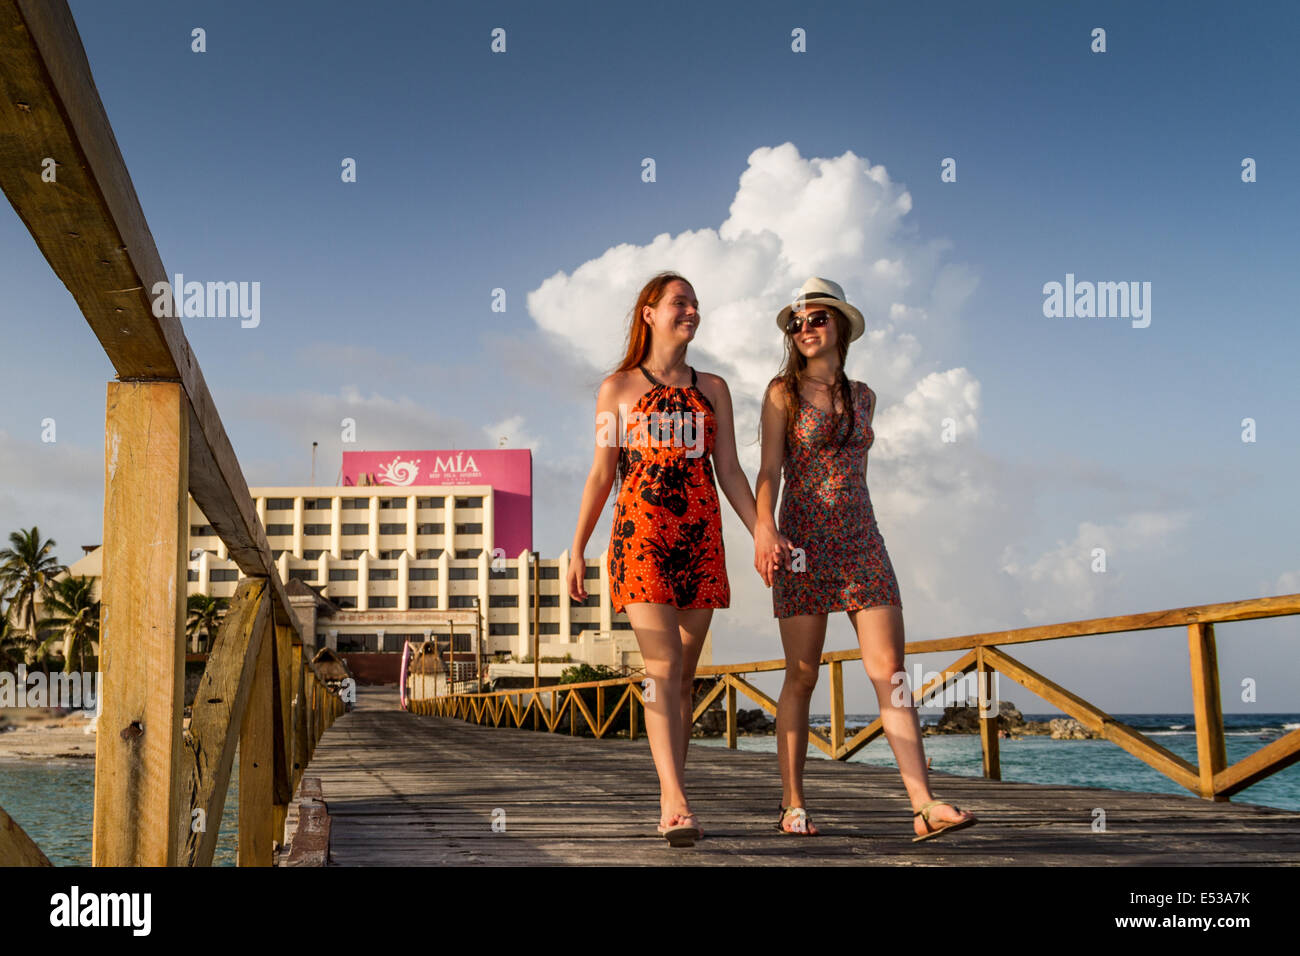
[
  {"x": 392, "y": 529},
  {"x": 476, "y": 502},
  {"x": 391, "y": 555},
  {"x": 352, "y": 504},
  {"x": 503, "y": 600},
  {"x": 383, "y": 600},
  {"x": 503, "y": 629},
  {"x": 578, "y": 627},
  {"x": 591, "y": 571},
  {"x": 311, "y": 554},
  {"x": 548, "y": 600},
  {"x": 469, "y": 553},
  {"x": 343, "y": 574},
  {"x": 302, "y": 574},
  {"x": 423, "y": 601},
  {"x": 353, "y": 554},
  {"x": 281, "y": 529},
  {"x": 275, "y": 554},
  {"x": 317, "y": 504},
  {"x": 383, "y": 574},
  {"x": 593, "y": 600},
  {"x": 430, "y": 528},
  {"x": 224, "y": 574},
  {"x": 423, "y": 574},
  {"x": 191, "y": 575},
  {"x": 461, "y": 600},
  {"x": 344, "y": 601},
  {"x": 430, "y": 502},
  {"x": 544, "y": 628},
  {"x": 549, "y": 572},
  {"x": 356, "y": 529},
  {"x": 621, "y": 626},
  {"x": 354, "y": 642},
  {"x": 392, "y": 502},
  {"x": 315, "y": 529},
  {"x": 462, "y": 574},
  {"x": 201, "y": 530},
  {"x": 279, "y": 504},
  {"x": 473, "y": 527},
  {"x": 428, "y": 554}
]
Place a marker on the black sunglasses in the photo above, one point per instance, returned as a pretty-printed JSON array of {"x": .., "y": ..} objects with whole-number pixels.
[{"x": 815, "y": 321}]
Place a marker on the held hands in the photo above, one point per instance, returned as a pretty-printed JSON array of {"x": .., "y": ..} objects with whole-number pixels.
[{"x": 769, "y": 548}]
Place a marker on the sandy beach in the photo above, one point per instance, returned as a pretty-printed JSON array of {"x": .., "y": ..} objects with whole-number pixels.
[{"x": 45, "y": 733}]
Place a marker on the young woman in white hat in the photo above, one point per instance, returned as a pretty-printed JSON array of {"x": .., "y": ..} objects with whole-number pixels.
[{"x": 816, "y": 424}]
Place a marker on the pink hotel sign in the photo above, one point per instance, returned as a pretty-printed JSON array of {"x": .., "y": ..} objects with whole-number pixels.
[{"x": 508, "y": 470}]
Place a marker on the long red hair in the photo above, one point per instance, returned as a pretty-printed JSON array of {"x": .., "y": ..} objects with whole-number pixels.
[{"x": 638, "y": 343}]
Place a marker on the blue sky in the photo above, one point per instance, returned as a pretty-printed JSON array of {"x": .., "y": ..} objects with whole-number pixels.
[{"x": 522, "y": 171}]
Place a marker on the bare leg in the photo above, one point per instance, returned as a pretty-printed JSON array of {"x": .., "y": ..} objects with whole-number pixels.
[
  {"x": 694, "y": 627},
  {"x": 803, "y": 637},
  {"x": 658, "y": 635},
  {"x": 880, "y": 635}
]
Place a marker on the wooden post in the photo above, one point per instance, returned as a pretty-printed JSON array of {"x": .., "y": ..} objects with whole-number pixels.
[
  {"x": 1211, "y": 751},
  {"x": 573, "y": 710},
  {"x": 731, "y": 712},
  {"x": 600, "y": 709},
  {"x": 837, "y": 708},
  {"x": 300, "y": 753},
  {"x": 282, "y": 699},
  {"x": 632, "y": 702},
  {"x": 988, "y": 724},
  {"x": 138, "y": 803},
  {"x": 256, "y": 763}
]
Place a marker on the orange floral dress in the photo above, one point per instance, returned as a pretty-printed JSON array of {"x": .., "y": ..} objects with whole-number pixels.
[{"x": 666, "y": 540}]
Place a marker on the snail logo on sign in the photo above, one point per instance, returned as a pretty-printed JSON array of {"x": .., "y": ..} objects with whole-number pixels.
[{"x": 398, "y": 472}]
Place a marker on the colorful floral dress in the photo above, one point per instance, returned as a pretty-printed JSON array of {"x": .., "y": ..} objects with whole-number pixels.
[
  {"x": 666, "y": 540},
  {"x": 826, "y": 510}
]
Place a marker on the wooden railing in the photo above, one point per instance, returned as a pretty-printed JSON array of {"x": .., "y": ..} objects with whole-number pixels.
[
  {"x": 1210, "y": 778},
  {"x": 159, "y": 790}
]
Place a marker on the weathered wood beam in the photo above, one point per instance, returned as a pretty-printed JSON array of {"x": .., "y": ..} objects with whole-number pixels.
[
  {"x": 89, "y": 225},
  {"x": 256, "y": 762},
  {"x": 16, "y": 847},
  {"x": 219, "y": 706},
  {"x": 142, "y": 626}
]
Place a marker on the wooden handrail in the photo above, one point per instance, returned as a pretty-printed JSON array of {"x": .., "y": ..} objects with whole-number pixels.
[
  {"x": 1210, "y": 778},
  {"x": 158, "y": 793}
]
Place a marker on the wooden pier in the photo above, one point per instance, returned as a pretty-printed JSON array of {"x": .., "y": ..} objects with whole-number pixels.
[{"x": 404, "y": 790}]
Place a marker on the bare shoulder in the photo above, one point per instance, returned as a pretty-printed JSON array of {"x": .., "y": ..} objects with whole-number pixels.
[
  {"x": 713, "y": 386},
  {"x": 775, "y": 392},
  {"x": 864, "y": 389}
]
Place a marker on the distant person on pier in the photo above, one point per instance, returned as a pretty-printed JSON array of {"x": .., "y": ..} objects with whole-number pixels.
[
  {"x": 666, "y": 560},
  {"x": 816, "y": 425}
]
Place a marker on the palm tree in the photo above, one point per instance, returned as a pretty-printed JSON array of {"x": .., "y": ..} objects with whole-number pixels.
[
  {"x": 75, "y": 619},
  {"x": 26, "y": 571},
  {"x": 205, "y": 613},
  {"x": 13, "y": 645}
]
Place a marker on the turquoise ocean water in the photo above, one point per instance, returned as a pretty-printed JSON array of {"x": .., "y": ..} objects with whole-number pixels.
[{"x": 53, "y": 800}]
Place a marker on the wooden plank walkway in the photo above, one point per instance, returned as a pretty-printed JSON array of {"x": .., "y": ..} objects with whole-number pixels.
[{"x": 412, "y": 791}]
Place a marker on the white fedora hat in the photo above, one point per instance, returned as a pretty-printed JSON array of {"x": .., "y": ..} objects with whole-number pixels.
[{"x": 817, "y": 291}]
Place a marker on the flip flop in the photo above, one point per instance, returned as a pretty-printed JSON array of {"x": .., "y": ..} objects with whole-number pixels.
[
  {"x": 682, "y": 834},
  {"x": 924, "y": 814},
  {"x": 799, "y": 813}
]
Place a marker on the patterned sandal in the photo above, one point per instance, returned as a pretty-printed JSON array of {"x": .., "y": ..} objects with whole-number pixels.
[
  {"x": 924, "y": 814},
  {"x": 801, "y": 819}
]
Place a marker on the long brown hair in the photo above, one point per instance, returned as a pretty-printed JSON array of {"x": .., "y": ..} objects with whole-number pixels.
[
  {"x": 638, "y": 345},
  {"x": 790, "y": 381}
]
